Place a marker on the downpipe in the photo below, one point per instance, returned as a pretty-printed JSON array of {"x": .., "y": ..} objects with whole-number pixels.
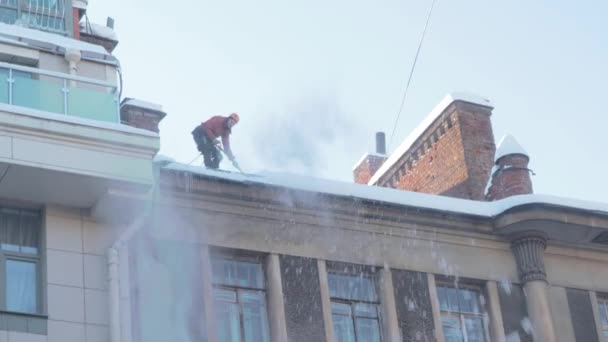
[{"x": 113, "y": 257}]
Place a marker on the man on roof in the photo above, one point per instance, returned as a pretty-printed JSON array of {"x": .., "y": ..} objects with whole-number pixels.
[{"x": 207, "y": 134}]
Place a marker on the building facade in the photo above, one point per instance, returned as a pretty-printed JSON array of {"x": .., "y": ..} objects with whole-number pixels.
[{"x": 103, "y": 240}]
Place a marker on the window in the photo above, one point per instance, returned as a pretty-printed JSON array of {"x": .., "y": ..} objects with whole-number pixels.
[
  {"x": 240, "y": 300},
  {"x": 603, "y": 307},
  {"x": 354, "y": 308},
  {"x": 461, "y": 314},
  {"x": 20, "y": 260},
  {"x": 48, "y": 15}
]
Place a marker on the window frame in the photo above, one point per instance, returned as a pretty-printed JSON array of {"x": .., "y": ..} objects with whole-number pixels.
[
  {"x": 462, "y": 315},
  {"x": 240, "y": 289},
  {"x": 37, "y": 259},
  {"x": 352, "y": 303}
]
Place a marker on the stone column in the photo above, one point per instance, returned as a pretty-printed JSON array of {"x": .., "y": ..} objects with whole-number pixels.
[
  {"x": 390, "y": 323},
  {"x": 208, "y": 298},
  {"x": 326, "y": 301},
  {"x": 276, "y": 304},
  {"x": 529, "y": 249},
  {"x": 435, "y": 308},
  {"x": 497, "y": 329}
]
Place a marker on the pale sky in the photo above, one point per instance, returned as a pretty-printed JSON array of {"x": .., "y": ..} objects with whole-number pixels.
[{"x": 314, "y": 80}]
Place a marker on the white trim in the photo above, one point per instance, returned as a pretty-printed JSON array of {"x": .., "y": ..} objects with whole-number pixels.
[
  {"x": 56, "y": 74},
  {"x": 75, "y": 120},
  {"x": 49, "y": 38},
  {"x": 426, "y": 123}
]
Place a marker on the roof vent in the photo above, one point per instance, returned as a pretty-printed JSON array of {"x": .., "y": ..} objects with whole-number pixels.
[{"x": 602, "y": 238}]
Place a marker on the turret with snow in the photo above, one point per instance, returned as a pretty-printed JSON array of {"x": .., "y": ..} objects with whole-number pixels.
[{"x": 510, "y": 175}]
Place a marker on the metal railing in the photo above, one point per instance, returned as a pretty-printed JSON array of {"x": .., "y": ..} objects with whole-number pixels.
[
  {"x": 58, "y": 93},
  {"x": 46, "y": 15}
]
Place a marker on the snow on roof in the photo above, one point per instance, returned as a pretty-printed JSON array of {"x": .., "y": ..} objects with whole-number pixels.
[
  {"x": 507, "y": 146},
  {"x": 162, "y": 159},
  {"x": 142, "y": 104},
  {"x": 387, "y": 195},
  {"x": 369, "y": 154},
  {"x": 98, "y": 30},
  {"x": 20, "y": 32},
  {"x": 428, "y": 121}
]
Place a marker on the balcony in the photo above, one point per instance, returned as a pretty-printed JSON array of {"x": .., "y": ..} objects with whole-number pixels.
[
  {"x": 58, "y": 93},
  {"x": 62, "y": 142},
  {"x": 46, "y": 15}
]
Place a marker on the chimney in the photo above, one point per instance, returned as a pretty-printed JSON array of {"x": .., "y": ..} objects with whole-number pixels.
[
  {"x": 381, "y": 143},
  {"x": 141, "y": 114},
  {"x": 370, "y": 162},
  {"x": 450, "y": 153},
  {"x": 79, "y": 8},
  {"x": 510, "y": 175}
]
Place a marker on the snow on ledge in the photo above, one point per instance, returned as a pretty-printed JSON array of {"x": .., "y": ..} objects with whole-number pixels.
[
  {"x": 98, "y": 30},
  {"x": 369, "y": 154},
  {"x": 19, "y": 32},
  {"x": 142, "y": 104},
  {"x": 428, "y": 121},
  {"x": 387, "y": 195},
  {"x": 75, "y": 120}
]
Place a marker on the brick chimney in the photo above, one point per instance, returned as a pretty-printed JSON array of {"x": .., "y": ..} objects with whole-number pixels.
[
  {"x": 510, "y": 175},
  {"x": 79, "y": 8},
  {"x": 367, "y": 166},
  {"x": 141, "y": 114},
  {"x": 450, "y": 153}
]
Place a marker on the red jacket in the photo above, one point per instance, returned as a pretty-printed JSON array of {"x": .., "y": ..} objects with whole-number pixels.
[{"x": 217, "y": 127}]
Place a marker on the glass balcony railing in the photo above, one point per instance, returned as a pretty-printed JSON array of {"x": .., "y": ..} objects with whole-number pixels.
[{"x": 58, "y": 93}]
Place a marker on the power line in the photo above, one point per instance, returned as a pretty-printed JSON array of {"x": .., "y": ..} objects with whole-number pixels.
[{"x": 409, "y": 80}]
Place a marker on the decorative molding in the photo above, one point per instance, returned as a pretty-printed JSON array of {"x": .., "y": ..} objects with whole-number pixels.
[{"x": 529, "y": 249}]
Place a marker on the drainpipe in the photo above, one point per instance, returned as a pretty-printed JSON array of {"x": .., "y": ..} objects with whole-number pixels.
[
  {"x": 113, "y": 255},
  {"x": 114, "y": 288},
  {"x": 73, "y": 57}
]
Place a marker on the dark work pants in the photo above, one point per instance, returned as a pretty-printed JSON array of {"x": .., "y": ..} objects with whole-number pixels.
[{"x": 211, "y": 154}]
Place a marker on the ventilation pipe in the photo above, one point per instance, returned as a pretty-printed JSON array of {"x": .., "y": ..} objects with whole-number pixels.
[{"x": 381, "y": 143}]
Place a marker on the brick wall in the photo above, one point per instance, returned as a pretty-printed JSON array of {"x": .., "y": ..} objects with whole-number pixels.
[
  {"x": 511, "y": 177},
  {"x": 140, "y": 117},
  {"x": 367, "y": 167},
  {"x": 453, "y": 157}
]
